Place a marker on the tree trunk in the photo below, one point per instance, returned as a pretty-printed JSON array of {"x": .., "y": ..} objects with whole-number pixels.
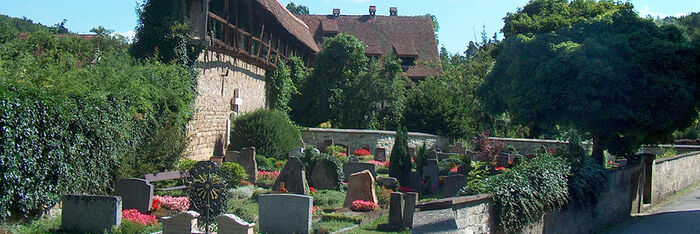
[{"x": 598, "y": 150}]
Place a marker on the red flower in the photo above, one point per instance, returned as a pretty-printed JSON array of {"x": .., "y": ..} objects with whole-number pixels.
[
  {"x": 454, "y": 169},
  {"x": 361, "y": 152},
  {"x": 135, "y": 216},
  {"x": 312, "y": 189},
  {"x": 156, "y": 203},
  {"x": 386, "y": 164},
  {"x": 500, "y": 168},
  {"x": 360, "y": 205},
  {"x": 405, "y": 189}
]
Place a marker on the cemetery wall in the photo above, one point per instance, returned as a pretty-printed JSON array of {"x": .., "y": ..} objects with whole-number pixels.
[
  {"x": 673, "y": 174},
  {"x": 226, "y": 86},
  {"x": 528, "y": 146},
  {"x": 370, "y": 139}
]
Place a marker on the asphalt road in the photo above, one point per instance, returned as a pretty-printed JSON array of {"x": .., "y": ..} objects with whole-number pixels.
[{"x": 681, "y": 216}]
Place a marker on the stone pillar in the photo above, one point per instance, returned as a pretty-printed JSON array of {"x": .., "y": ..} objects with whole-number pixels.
[
  {"x": 396, "y": 209},
  {"x": 409, "y": 207},
  {"x": 247, "y": 160},
  {"x": 183, "y": 222}
]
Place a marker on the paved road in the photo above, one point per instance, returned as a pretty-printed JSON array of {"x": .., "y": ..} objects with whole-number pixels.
[{"x": 681, "y": 216}]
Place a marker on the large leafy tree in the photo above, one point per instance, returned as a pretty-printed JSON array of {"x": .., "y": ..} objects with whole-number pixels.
[
  {"x": 619, "y": 78},
  {"x": 298, "y": 9},
  {"x": 543, "y": 16}
]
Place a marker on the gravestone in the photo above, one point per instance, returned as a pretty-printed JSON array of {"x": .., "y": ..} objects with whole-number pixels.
[
  {"x": 458, "y": 148},
  {"x": 464, "y": 169},
  {"x": 285, "y": 213},
  {"x": 396, "y": 209},
  {"x": 435, "y": 221},
  {"x": 90, "y": 213},
  {"x": 324, "y": 175},
  {"x": 388, "y": 182},
  {"x": 433, "y": 154},
  {"x": 409, "y": 207},
  {"x": 136, "y": 194},
  {"x": 322, "y": 145},
  {"x": 353, "y": 167},
  {"x": 217, "y": 159},
  {"x": 452, "y": 184},
  {"x": 354, "y": 159},
  {"x": 183, "y": 222},
  {"x": 294, "y": 177},
  {"x": 431, "y": 173},
  {"x": 415, "y": 181},
  {"x": 296, "y": 152},
  {"x": 232, "y": 224},
  {"x": 232, "y": 156},
  {"x": 503, "y": 159},
  {"x": 247, "y": 160},
  {"x": 316, "y": 151},
  {"x": 360, "y": 187},
  {"x": 380, "y": 154}
]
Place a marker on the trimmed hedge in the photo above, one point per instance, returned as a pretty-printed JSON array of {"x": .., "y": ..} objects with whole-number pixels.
[{"x": 269, "y": 131}]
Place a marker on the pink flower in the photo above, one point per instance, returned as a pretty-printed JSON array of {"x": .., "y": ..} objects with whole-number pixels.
[
  {"x": 173, "y": 203},
  {"x": 135, "y": 216},
  {"x": 360, "y": 205}
]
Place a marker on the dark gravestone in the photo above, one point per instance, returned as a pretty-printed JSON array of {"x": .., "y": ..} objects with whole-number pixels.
[
  {"x": 380, "y": 154},
  {"x": 415, "y": 181},
  {"x": 458, "y": 148},
  {"x": 294, "y": 177},
  {"x": 322, "y": 145},
  {"x": 324, "y": 175},
  {"x": 431, "y": 174},
  {"x": 452, "y": 184},
  {"x": 409, "y": 207},
  {"x": 232, "y": 156},
  {"x": 285, "y": 213},
  {"x": 396, "y": 209},
  {"x": 433, "y": 154},
  {"x": 136, "y": 194},
  {"x": 90, "y": 213},
  {"x": 351, "y": 167},
  {"x": 247, "y": 160},
  {"x": 503, "y": 159}
]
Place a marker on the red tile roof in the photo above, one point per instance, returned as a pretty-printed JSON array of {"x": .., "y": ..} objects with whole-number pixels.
[
  {"x": 292, "y": 24},
  {"x": 407, "y": 35}
]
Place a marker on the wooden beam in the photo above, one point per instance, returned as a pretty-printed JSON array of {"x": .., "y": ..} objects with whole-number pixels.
[
  {"x": 250, "y": 24},
  {"x": 262, "y": 33}
]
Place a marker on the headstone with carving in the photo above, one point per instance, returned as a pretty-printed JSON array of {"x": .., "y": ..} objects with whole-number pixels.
[
  {"x": 90, "y": 213},
  {"x": 247, "y": 160},
  {"x": 353, "y": 167},
  {"x": 380, "y": 154},
  {"x": 183, "y": 222},
  {"x": 294, "y": 177},
  {"x": 325, "y": 175},
  {"x": 360, "y": 187},
  {"x": 285, "y": 213},
  {"x": 232, "y": 224},
  {"x": 136, "y": 194}
]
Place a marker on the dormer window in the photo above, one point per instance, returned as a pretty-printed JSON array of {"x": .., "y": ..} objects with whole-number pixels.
[
  {"x": 406, "y": 52},
  {"x": 330, "y": 28},
  {"x": 373, "y": 51}
]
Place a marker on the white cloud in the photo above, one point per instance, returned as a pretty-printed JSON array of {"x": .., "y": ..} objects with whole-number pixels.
[
  {"x": 646, "y": 11},
  {"x": 128, "y": 34}
]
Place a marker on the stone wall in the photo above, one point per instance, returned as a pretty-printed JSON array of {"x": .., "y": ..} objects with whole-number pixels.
[
  {"x": 528, "y": 146},
  {"x": 370, "y": 139},
  {"x": 673, "y": 174},
  {"x": 226, "y": 86}
]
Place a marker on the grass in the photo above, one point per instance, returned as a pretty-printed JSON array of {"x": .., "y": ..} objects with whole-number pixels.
[
  {"x": 331, "y": 226},
  {"x": 246, "y": 209},
  {"x": 42, "y": 225},
  {"x": 371, "y": 227},
  {"x": 329, "y": 200}
]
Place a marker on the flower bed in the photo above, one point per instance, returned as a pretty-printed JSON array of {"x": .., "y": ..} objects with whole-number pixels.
[
  {"x": 135, "y": 216},
  {"x": 361, "y": 152},
  {"x": 363, "y": 206},
  {"x": 171, "y": 203},
  {"x": 266, "y": 179}
]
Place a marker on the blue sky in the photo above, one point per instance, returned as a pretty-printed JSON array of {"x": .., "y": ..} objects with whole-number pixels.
[{"x": 460, "y": 20}]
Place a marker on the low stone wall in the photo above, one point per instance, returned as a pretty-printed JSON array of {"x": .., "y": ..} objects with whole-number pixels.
[
  {"x": 370, "y": 139},
  {"x": 471, "y": 212},
  {"x": 673, "y": 174}
]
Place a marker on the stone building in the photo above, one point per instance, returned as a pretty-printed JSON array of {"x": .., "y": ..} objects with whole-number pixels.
[{"x": 244, "y": 38}]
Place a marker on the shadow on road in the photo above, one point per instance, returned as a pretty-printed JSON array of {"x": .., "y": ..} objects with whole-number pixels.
[{"x": 663, "y": 222}]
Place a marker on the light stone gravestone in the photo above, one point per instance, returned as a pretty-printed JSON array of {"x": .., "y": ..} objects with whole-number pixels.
[
  {"x": 247, "y": 160},
  {"x": 360, "y": 187},
  {"x": 452, "y": 184},
  {"x": 388, "y": 182},
  {"x": 90, "y": 213},
  {"x": 396, "y": 210},
  {"x": 294, "y": 177},
  {"x": 458, "y": 148},
  {"x": 183, "y": 222},
  {"x": 232, "y": 224},
  {"x": 135, "y": 193},
  {"x": 285, "y": 213},
  {"x": 431, "y": 172},
  {"x": 409, "y": 208},
  {"x": 380, "y": 154},
  {"x": 353, "y": 167},
  {"x": 232, "y": 156},
  {"x": 324, "y": 175}
]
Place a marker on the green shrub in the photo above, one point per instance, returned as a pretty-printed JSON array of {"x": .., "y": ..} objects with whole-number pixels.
[
  {"x": 130, "y": 227},
  {"x": 421, "y": 158},
  {"x": 310, "y": 159},
  {"x": 243, "y": 192},
  {"x": 329, "y": 199},
  {"x": 269, "y": 131},
  {"x": 268, "y": 164},
  {"x": 475, "y": 183},
  {"x": 233, "y": 173},
  {"x": 246, "y": 209},
  {"x": 335, "y": 216},
  {"x": 523, "y": 194},
  {"x": 186, "y": 164},
  {"x": 446, "y": 164},
  {"x": 400, "y": 161},
  {"x": 42, "y": 225},
  {"x": 586, "y": 183}
]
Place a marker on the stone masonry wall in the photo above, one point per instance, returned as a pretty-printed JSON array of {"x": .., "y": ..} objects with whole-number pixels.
[
  {"x": 220, "y": 78},
  {"x": 673, "y": 174},
  {"x": 357, "y": 139}
]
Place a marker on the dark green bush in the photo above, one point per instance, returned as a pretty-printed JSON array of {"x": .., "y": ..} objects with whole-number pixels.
[
  {"x": 446, "y": 164},
  {"x": 341, "y": 217},
  {"x": 233, "y": 173},
  {"x": 523, "y": 194},
  {"x": 586, "y": 183},
  {"x": 269, "y": 131},
  {"x": 400, "y": 160}
]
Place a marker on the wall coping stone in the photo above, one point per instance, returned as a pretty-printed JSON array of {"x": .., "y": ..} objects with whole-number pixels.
[
  {"x": 695, "y": 153},
  {"x": 452, "y": 202},
  {"x": 365, "y": 131}
]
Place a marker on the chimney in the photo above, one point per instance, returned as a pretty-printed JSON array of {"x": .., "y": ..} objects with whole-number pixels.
[
  {"x": 393, "y": 11},
  {"x": 336, "y": 12},
  {"x": 372, "y": 10}
]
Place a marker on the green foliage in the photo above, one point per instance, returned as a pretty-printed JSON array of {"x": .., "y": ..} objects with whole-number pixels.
[
  {"x": 268, "y": 164},
  {"x": 543, "y": 16},
  {"x": 81, "y": 114},
  {"x": 421, "y": 158},
  {"x": 233, "y": 173},
  {"x": 586, "y": 183},
  {"x": 162, "y": 33},
  {"x": 47, "y": 224},
  {"x": 400, "y": 160},
  {"x": 186, "y": 164},
  {"x": 21, "y": 25},
  {"x": 269, "y": 131},
  {"x": 523, "y": 194},
  {"x": 246, "y": 209},
  {"x": 329, "y": 199},
  {"x": 585, "y": 75},
  {"x": 347, "y": 217},
  {"x": 475, "y": 178},
  {"x": 279, "y": 87},
  {"x": 446, "y": 164},
  {"x": 130, "y": 227},
  {"x": 297, "y": 9}
]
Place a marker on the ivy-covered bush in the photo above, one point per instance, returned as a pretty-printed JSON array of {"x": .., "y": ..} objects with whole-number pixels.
[
  {"x": 78, "y": 114},
  {"x": 269, "y": 131},
  {"x": 310, "y": 159},
  {"x": 524, "y": 193}
]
